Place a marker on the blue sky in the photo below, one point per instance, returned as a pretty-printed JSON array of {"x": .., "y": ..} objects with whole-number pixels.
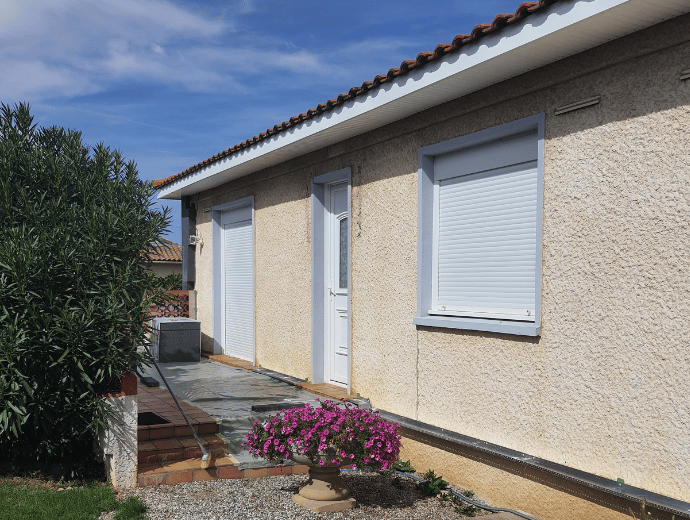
[{"x": 171, "y": 83}]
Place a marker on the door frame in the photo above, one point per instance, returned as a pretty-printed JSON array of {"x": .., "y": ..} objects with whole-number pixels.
[
  {"x": 319, "y": 272},
  {"x": 217, "y": 287}
]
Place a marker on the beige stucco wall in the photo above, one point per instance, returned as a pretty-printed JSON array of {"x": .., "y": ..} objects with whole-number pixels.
[
  {"x": 163, "y": 269},
  {"x": 512, "y": 486},
  {"x": 602, "y": 389}
]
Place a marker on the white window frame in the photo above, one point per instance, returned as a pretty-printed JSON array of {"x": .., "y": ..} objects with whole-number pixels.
[{"x": 427, "y": 232}]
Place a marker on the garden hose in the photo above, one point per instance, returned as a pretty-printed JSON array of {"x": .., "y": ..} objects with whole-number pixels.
[
  {"x": 456, "y": 494},
  {"x": 475, "y": 504}
]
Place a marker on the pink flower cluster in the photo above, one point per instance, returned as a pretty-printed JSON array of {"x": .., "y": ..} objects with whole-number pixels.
[{"x": 335, "y": 434}]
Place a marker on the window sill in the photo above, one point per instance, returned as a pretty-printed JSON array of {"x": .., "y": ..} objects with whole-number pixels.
[{"x": 500, "y": 326}]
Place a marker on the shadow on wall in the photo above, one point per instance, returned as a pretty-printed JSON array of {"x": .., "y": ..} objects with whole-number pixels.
[
  {"x": 519, "y": 341},
  {"x": 207, "y": 344}
]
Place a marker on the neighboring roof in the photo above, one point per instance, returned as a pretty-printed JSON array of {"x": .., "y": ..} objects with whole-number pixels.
[
  {"x": 563, "y": 27},
  {"x": 166, "y": 251}
]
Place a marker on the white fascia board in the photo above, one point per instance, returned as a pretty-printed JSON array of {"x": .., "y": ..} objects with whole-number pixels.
[{"x": 563, "y": 30}]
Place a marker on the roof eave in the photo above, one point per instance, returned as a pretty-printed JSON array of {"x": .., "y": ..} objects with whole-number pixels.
[{"x": 565, "y": 29}]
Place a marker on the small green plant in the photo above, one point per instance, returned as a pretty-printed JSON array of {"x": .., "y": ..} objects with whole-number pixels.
[
  {"x": 432, "y": 484},
  {"x": 444, "y": 497},
  {"x": 466, "y": 509},
  {"x": 405, "y": 467},
  {"x": 463, "y": 508},
  {"x": 468, "y": 493}
]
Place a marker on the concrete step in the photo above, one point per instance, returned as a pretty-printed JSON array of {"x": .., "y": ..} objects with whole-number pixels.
[{"x": 158, "y": 403}]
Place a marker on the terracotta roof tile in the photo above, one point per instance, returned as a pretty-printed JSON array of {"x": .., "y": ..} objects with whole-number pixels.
[
  {"x": 499, "y": 22},
  {"x": 166, "y": 251}
]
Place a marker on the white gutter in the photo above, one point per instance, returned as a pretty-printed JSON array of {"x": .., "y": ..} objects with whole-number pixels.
[{"x": 564, "y": 29}]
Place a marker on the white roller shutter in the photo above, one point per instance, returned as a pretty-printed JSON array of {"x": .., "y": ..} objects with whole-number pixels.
[
  {"x": 486, "y": 243},
  {"x": 238, "y": 270}
]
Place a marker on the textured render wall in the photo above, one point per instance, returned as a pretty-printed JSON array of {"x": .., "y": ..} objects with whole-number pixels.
[
  {"x": 384, "y": 270},
  {"x": 511, "y": 486},
  {"x": 118, "y": 443},
  {"x": 283, "y": 274},
  {"x": 204, "y": 275},
  {"x": 282, "y": 228},
  {"x": 602, "y": 389},
  {"x": 165, "y": 269}
]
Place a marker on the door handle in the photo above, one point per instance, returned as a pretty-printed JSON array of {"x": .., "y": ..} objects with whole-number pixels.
[{"x": 331, "y": 291}]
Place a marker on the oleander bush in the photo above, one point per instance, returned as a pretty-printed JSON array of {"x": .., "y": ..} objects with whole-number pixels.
[{"x": 75, "y": 225}]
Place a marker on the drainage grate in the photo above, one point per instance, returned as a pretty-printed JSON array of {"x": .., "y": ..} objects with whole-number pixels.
[{"x": 150, "y": 418}]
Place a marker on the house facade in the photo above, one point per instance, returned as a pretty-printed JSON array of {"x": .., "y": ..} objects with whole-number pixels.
[
  {"x": 166, "y": 258},
  {"x": 490, "y": 242}
]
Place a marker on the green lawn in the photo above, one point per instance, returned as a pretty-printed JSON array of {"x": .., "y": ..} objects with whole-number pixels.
[{"x": 24, "y": 500}]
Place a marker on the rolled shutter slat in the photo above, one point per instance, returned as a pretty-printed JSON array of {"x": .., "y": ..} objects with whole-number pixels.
[
  {"x": 487, "y": 236},
  {"x": 239, "y": 290}
]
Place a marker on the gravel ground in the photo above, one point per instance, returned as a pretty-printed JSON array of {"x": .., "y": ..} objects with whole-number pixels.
[{"x": 378, "y": 496}]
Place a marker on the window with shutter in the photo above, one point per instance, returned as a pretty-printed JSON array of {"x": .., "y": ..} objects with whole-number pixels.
[{"x": 480, "y": 230}]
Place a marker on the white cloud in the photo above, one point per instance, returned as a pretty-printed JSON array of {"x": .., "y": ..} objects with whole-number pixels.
[
  {"x": 67, "y": 48},
  {"x": 249, "y": 61},
  {"x": 64, "y": 48},
  {"x": 155, "y": 17},
  {"x": 26, "y": 80}
]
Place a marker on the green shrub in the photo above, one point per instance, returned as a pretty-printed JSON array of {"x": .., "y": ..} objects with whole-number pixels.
[
  {"x": 173, "y": 281},
  {"x": 74, "y": 222}
]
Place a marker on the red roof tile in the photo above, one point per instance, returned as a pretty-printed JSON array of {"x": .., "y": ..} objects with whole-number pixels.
[
  {"x": 166, "y": 251},
  {"x": 500, "y": 21}
]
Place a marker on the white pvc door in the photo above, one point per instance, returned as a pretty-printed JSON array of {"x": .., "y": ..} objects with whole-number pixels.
[
  {"x": 238, "y": 279},
  {"x": 337, "y": 267}
]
